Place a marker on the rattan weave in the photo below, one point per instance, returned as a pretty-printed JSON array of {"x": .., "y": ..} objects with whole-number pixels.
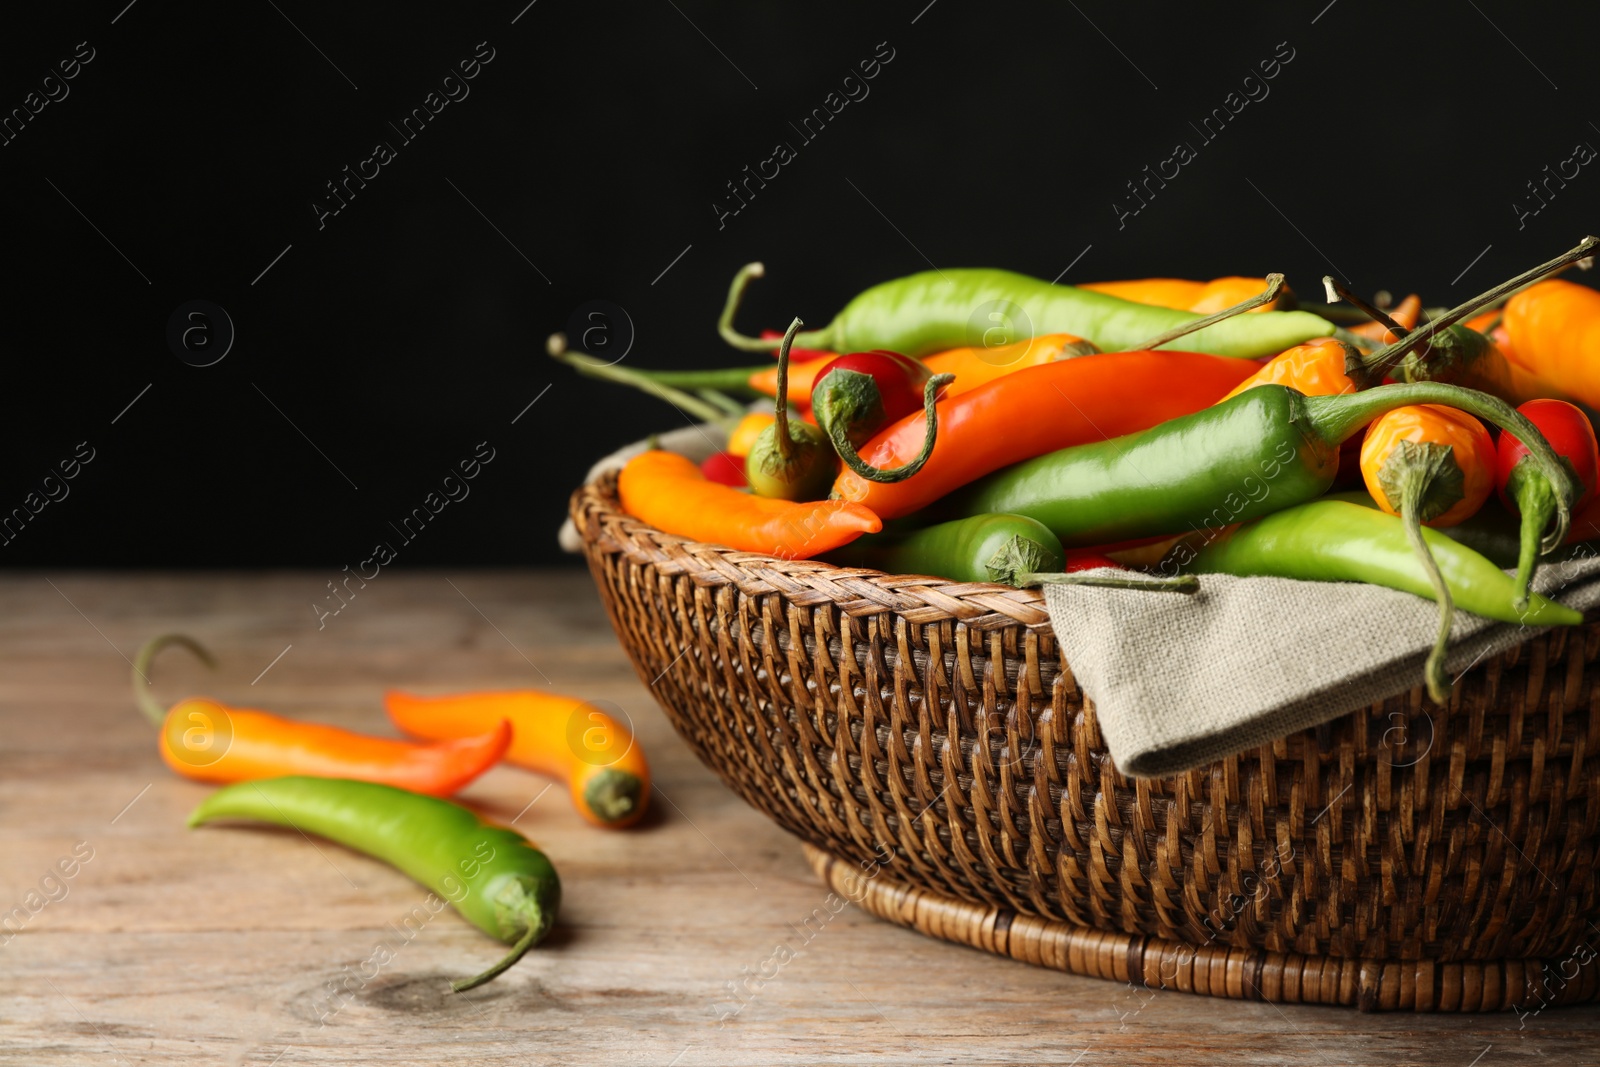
[{"x": 927, "y": 733}]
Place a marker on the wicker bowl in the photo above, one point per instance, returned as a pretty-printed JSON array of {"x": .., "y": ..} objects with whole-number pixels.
[{"x": 926, "y": 741}]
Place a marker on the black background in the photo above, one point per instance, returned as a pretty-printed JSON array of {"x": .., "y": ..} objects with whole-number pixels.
[{"x": 592, "y": 149}]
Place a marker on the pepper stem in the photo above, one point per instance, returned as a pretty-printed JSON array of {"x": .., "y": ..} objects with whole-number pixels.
[
  {"x": 591, "y": 367},
  {"x": 1266, "y": 296},
  {"x": 142, "y": 662},
  {"x": 741, "y": 281},
  {"x": 1337, "y": 418},
  {"x": 1385, "y": 359},
  {"x": 1413, "y": 497},
  {"x": 1338, "y": 290},
  {"x": 1183, "y": 583},
  {"x": 781, "y": 412},
  {"x": 518, "y": 950},
  {"x": 853, "y": 460},
  {"x": 1535, "y": 504}
]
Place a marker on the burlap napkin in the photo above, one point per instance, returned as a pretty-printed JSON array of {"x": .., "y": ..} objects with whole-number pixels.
[{"x": 1179, "y": 682}]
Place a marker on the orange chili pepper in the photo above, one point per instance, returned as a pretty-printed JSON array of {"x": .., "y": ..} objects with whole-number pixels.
[
  {"x": 1034, "y": 411},
  {"x": 1201, "y": 297},
  {"x": 1554, "y": 332},
  {"x": 209, "y": 741},
  {"x": 1431, "y": 465},
  {"x": 745, "y": 433},
  {"x": 1406, "y": 313},
  {"x": 668, "y": 492},
  {"x": 1316, "y": 368},
  {"x": 594, "y": 754}
]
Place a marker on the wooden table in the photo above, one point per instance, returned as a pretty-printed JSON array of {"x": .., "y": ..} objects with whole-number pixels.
[{"x": 232, "y": 945}]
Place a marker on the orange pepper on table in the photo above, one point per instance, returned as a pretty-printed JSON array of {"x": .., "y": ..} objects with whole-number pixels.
[
  {"x": 594, "y": 754},
  {"x": 1035, "y": 411},
  {"x": 667, "y": 491},
  {"x": 209, "y": 741}
]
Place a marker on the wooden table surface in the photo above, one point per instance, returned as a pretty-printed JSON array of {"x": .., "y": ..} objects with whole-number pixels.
[{"x": 232, "y": 946}]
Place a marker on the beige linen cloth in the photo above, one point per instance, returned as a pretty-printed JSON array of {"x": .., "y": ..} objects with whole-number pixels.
[{"x": 1179, "y": 682}]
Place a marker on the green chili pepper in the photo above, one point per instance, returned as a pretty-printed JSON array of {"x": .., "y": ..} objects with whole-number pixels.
[
  {"x": 492, "y": 875},
  {"x": 939, "y": 310},
  {"x": 1492, "y": 532},
  {"x": 983, "y": 548},
  {"x": 1341, "y": 541},
  {"x": 1264, "y": 450}
]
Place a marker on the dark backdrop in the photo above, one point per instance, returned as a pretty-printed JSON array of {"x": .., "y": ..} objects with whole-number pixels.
[{"x": 376, "y": 347}]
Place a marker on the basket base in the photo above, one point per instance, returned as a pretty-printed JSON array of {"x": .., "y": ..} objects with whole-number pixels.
[{"x": 1214, "y": 970}]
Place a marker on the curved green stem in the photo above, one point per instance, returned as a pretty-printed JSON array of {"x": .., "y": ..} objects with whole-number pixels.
[
  {"x": 1266, "y": 296},
  {"x": 518, "y": 950},
  {"x": 1535, "y": 503},
  {"x": 1182, "y": 583},
  {"x": 1416, "y": 488},
  {"x": 1337, "y": 418},
  {"x": 142, "y": 661},
  {"x": 723, "y": 379},
  {"x": 1387, "y": 358},
  {"x": 853, "y": 460},
  {"x": 814, "y": 339},
  {"x": 781, "y": 440},
  {"x": 598, "y": 368}
]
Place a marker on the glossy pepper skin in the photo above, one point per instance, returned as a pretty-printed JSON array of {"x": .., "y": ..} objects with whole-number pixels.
[
  {"x": 667, "y": 491},
  {"x": 584, "y": 747},
  {"x": 1323, "y": 367},
  {"x": 1338, "y": 541},
  {"x": 1472, "y": 460},
  {"x": 208, "y": 741},
  {"x": 493, "y": 875},
  {"x": 1266, "y": 449},
  {"x": 1036, "y": 411},
  {"x": 1554, "y": 331},
  {"x": 984, "y": 548},
  {"x": 934, "y": 311}
]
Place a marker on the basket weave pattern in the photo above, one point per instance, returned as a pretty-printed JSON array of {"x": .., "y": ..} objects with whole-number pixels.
[{"x": 928, "y": 731}]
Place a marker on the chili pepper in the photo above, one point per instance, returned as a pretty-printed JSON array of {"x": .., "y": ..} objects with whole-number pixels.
[
  {"x": 1434, "y": 465},
  {"x": 933, "y": 312},
  {"x": 791, "y": 459},
  {"x": 496, "y": 878},
  {"x": 1569, "y": 432},
  {"x": 1089, "y": 561},
  {"x": 1463, "y": 356},
  {"x": 1200, "y": 297},
  {"x": 1332, "y": 540},
  {"x": 724, "y": 469},
  {"x": 1035, "y": 411},
  {"x": 745, "y": 433},
  {"x": 1405, "y": 314},
  {"x": 983, "y": 548},
  {"x": 1554, "y": 330},
  {"x": 972, "y": 366},
  {"x": 1266, "y": 449},
  {"x": 569, "y": 739},
  {"x": 1324, "y": 367},
  {"x": 210, "y": 742},
  {"x": 667, "y": 491},
  {"x": 859, "y": 394}
]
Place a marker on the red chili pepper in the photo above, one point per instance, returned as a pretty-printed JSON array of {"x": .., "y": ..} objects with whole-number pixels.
[
  {"x": 859, "y": 394},
  {"x": 1570, "y": 433},
  {"x": 1088, "y": 561},
  {"x": 796, "y": 355},
  {"x": 724, "y": 469}
]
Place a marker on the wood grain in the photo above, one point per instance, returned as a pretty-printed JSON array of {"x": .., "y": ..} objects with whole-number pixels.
[{"x": 222, "y": 945}]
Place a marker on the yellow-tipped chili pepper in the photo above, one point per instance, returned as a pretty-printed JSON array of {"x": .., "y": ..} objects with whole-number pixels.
[{"x": 594, "y": 754}]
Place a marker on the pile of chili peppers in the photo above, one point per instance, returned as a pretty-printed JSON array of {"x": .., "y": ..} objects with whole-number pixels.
[
  {"x": 1128, "y": 438},
  {"x": 386, "y": 797}
]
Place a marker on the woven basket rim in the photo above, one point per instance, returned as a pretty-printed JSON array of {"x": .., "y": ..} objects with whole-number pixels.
[{"x": 597, "y": 514}]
